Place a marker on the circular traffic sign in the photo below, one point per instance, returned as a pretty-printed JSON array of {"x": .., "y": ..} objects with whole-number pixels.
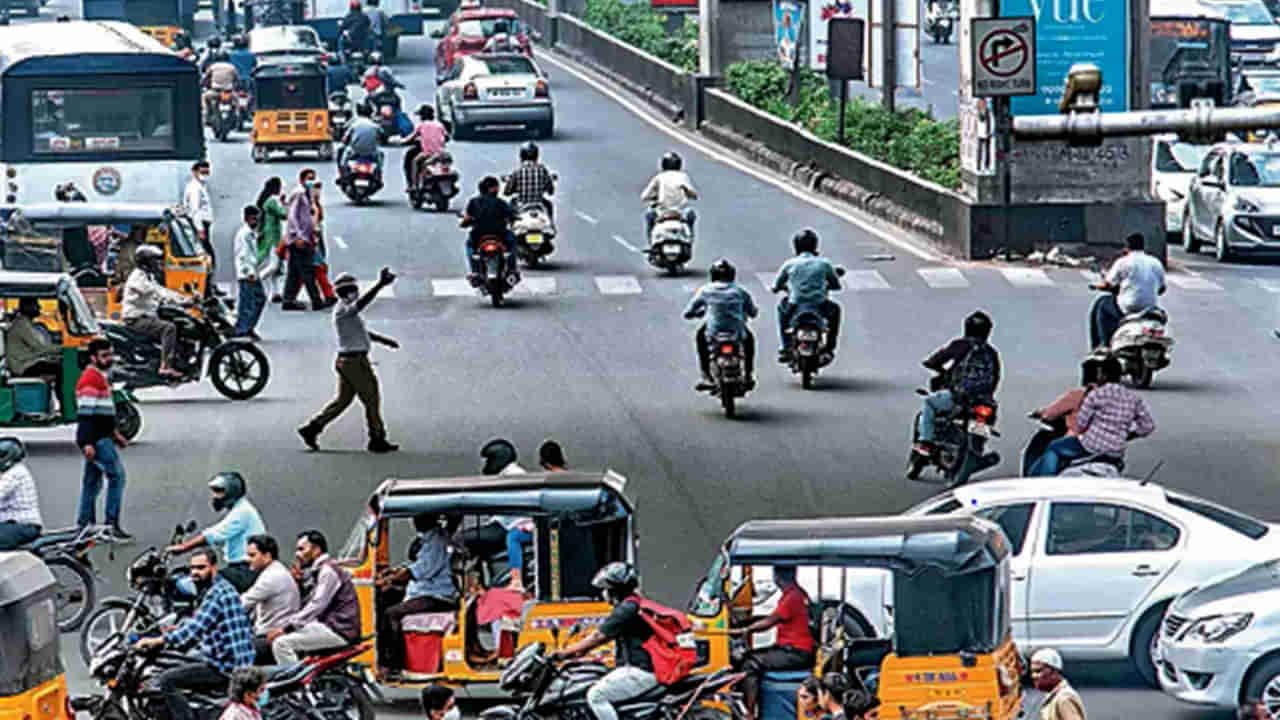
[{"x": 1003, "y": 53}]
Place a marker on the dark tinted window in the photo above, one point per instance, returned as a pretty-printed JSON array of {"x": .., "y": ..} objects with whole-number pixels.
[
  {"x": 1242, "y": 524},
  {"x": 1084, "y": 528},
  {"x": 1013, "y": 519}
]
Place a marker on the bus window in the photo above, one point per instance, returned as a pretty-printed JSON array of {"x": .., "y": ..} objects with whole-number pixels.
[{"x": 120, "y": 120}]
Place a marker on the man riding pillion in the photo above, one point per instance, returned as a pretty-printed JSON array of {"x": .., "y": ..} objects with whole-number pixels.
[
  {"x": 241, "y": 522},
  {"x": 807, "y": 278},
  {"x": 1135, "y": 280},
  {"x": 972, "y": 369},
  {"x": 426, "y": 142},
  {"x": 669, "y": 191},
  {"x": 488, "y": 214},
  {"x": 360, "y": 143},
  {"x": 531, "y": 183},
  {"x": 726, "y": 305},
  {"x": 330, "y": 615},
  {"x": 142, "y": 299}
]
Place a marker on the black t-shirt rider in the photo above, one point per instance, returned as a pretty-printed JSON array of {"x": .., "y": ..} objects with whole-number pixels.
[{"x": 625, "y": 626}]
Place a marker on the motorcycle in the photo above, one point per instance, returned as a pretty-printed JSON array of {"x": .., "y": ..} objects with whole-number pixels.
[
  {"x": 226, "y": 116},
  {"x": 1142, "y": 343},
  {"x": 497, "y": 279},
  {"x": 561, "y": 692},
  {"x": 940, "y": 19},
  {"x": 66, "y": 553},
  {"x": 436, "y": 181},
  {"x": 384, "y": 106},
  {"x": 670, "y": 243},
  {"x": 808, "y": 331},
  {"x": 534, "y": 233},
  {"x": 352, "y": 58},
  {"x": 339, "y": 114},
  {"x": 244, "y": 103},
  {"x": 728, "y": 371},
  {"x": 361, "y": 181},
  {"x": 238, "y": 368},
  {"x": 1097, "y": 465},
  {"x": 960, "y": 440}
]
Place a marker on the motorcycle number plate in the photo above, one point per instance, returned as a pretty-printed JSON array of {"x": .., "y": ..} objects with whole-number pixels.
[
  {"x": 225, "y": 108},
  {"x": 980, "y": 429},
  {"x": 1275, "y": 229},
  {"x": 534, "y": 238},
  {"x": 362, "y": 183}
]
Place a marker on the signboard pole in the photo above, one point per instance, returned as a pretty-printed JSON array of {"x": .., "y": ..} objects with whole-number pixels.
[
  {"x": 888, "y": 52},
  {"x": 844, "y": 102},
  {"x": 1004, "y": 146}
]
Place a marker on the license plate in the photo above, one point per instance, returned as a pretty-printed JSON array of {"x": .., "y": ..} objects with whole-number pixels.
[
  {"x": 506, "y": 92},
  {"x": 534, "y": 238},
  {"x": 362, "y": 183},
  {"x": 1275, "y": 230},
  {"x": 979, "y": 428}
]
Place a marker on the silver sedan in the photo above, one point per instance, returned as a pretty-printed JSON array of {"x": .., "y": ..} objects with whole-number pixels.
[{"x": 495, "y": 91}]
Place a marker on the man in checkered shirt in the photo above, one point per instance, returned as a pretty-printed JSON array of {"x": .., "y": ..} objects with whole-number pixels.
[
  {"x": 1107, "y": 418},
  {"x": 221, "y": 625},
  {"x": 531, "y": 183}
]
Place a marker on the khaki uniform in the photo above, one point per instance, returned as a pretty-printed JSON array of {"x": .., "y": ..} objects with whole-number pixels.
[
  {"x": 1062, "y": 703},
  {"x": 355, "y": 374}
]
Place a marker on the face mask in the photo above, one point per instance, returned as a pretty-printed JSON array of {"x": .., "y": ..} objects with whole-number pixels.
[
  {"x": 204, "y": 177},
  {"x": 453, "y": 714}
]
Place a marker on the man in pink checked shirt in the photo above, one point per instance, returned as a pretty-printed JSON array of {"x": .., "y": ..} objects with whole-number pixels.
[
  {"x": 427, "y": 141},
  {"x": 1107, "y": 419}
]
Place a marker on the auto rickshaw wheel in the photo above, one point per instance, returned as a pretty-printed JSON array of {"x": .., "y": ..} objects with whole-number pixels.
[
  {"x": 128, "y": 419},
  {"x": 75, "y": 595},
  {"x": 239, "y": 370}
]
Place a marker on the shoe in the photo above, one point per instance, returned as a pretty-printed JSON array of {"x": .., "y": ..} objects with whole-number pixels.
[
  {"x": 749, "y": 384},
  {"x": 329, "y": 302},
  {"x": 293, "y": 306},
  {"x": 277, "y": 298},
  {"x": 474, "y": 279},
  {"x": 309, "y": 436},
  {"x": 118, "y": 534},
  {"x": 706, "y": 383},
  {"x": 784, "y": 357},
  {"x": 826, "y": 358},
  {"x": 382, "y": 446}
]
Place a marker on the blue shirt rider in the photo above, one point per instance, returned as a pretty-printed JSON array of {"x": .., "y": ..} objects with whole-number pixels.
[
  {"x": 360, "y": 142},
  {"x": 241, "y": 522},
  {"x": 807, "y": 278},
  {"x": 244, "y": 60},
  {"x": 726, "y": 306}
]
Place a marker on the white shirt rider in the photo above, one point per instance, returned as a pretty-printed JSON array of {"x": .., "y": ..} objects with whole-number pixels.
[
  {"x": 670, "y": 191},
  {"x": 143, "y": 295},
  {"x": 1139, "y": 277}
]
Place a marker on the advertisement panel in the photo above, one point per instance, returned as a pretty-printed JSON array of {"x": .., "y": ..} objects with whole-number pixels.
[
  {"x": 788, "y": 17},
  {"x": 1073, "y": 31}
]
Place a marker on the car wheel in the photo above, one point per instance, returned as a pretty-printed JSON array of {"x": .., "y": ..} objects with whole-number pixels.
[
  {"x": 1264, "y": 683},
  {"x": 1189, "y": 241},
  {"x": 1221, "y": 252},
  {"x": 1142, "y": 646}
]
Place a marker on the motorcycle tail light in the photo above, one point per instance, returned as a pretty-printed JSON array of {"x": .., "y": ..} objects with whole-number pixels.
[
  {"x": 490, "y": 247},
  {"x": 364, "y": 168},
  {"x": 1154, "y": 331},
  {"x": 541, "y": 90},
  {"x": 727, "y": 349},
  {"x": 226, "y": 95},
  {"x": 469, "y": 92},
  {"x": 983, "y": 413}
]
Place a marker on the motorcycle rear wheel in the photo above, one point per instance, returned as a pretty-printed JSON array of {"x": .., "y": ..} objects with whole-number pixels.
[
  {"x": 243, "y": 364},
  {"x": 442, "y": 203},
  {"x": 128, "y": 420},
  {"x": 727, "y": 402},
  {"x": 74, "y": 598},
  {"x": 1141, "y": 374},
  {"x": 806, "y": 379}
]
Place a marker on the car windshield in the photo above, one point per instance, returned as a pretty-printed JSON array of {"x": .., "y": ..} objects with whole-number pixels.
[
  {"x": 1259, "y": 169},
  {"x": 487, "y": 27},
  {"x": 288, "y": 39},
  {"x": 1243, "y": 524},
  {"x": 1245, "y": 13},
  {"x": 510, "y": 66},
  {"x": 1179, "y": 157}
]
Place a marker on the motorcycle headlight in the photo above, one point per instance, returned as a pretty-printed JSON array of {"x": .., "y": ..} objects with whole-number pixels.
[
  {"x": 1217, "y": 628},
  {"x": 1246, "y": 205}
]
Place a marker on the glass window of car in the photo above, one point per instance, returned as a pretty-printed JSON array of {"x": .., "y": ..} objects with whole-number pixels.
[
  {"x": 1179, "y": 157},
  {"x": 1264, "y": 85},
  {"x": 1080, "y": 528},
  {"x": 1216, "y": 169},
  {"x": 1258, "y": 169},
  {"x": 509, "y": 65},
  {"x": 1013, "y": 519},
  {"x": 102, "y": 120},
  {"x": 486, "y": 27},
  {"x": 1245, "y": 12},
  {"x": 1233, "y": 520},
  {"x": 1206, "y": 165}
]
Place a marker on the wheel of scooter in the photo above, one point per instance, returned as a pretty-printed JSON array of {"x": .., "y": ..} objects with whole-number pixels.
[
  {"x": 674, "y": 269},
  {"x": 727, "y": 402},
  {"x": 415, "y": 200},
  {"x": 495, "y": 297},
  {"x": 442, "y": 203},
  {"x": 533, "y": 260},
  {"x": 128, "y": 419},
  {"x": 806, "y": 379}
]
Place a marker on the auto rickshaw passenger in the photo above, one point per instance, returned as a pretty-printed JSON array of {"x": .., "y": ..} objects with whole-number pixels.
[
  {"x": 142, "y": 299},
  {"x": 794, "y": 647},
  {"x": 26, "y": 350},
  {"x": 430, "y": 587},
  {"x": 20, "y": 520}
]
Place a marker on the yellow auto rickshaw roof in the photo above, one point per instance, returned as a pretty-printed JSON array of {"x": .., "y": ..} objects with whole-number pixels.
[
  {"x": 22, "y": 575},
  {"x": 532, "y": 493}
]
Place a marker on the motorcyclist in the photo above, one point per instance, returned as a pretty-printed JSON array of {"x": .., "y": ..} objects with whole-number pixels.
[
  {"x": 1066, "y": 407},
  {"x": 669, "y": 191},
  {"x": 488, "y": 214},
  {"x": 726, "y": 305},
  {"x": 426, "y": 142},
  {"x": 633, "y": 673},
  {"x": 142, "y": 299},
  {"x": 244, "y": 60},
  {"x": 221, "y": 76},
  {"x": 500, "y": 40},
  {"x": 807, "y": 278},
  {"x": 378, "y": 75},
  {"x": 354, "y": 27},
  {"x": 232, "y": 532},
  {"x": 360, "y": 143},
  {"x": 340, "y": 75},
  {"x": 1134, "y": 280},
  {"x": 531, "y": 182},
  {"x": 211, "y": 49},
  {"x": 381, "y": 86},
  {"x": 972, "y": 369}
]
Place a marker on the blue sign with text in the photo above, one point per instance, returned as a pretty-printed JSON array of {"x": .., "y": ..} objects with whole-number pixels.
[{"x": 1075, "y": 31}]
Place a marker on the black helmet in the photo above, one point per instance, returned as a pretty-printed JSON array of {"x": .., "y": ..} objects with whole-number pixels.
[
  {"x": 498, "y": 453},
  {"x": 529, "y": 151},
  {"x": 672, "y": 161},
  {"x": 618, "y": 580},
  {"x": 426, "y": 112},
  {"x": 722, "y": 271},
  {"x": 148, "y": 256},
  {"x": 978, "y": 326},
  {"x": 233, "y": 487},
  {"x": 240, "y": 41},
  {"x": 1091, "y": 368},
  {"x": 214, "y": 42},
  {"x": 12, "y": 451},
  {"x": 805, "y": 241}
]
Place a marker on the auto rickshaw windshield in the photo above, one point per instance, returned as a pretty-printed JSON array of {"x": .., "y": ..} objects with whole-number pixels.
[
  {"x": 76, "y": 312},
  {"x": 184, "y": 243}
]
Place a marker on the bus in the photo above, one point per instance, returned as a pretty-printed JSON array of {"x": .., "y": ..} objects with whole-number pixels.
[
  {"x": 100, "y": 104},
  {"x": 404, "y": 17},
  {"x": 1190, "y": 57}
]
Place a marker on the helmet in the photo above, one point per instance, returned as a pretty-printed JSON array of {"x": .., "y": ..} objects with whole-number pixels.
[
  {"x": 1091, "y": 368},
  {"x": 375, "y": 58},
  {"x": 978, "y": 325},
  {"x": 426, "y": 112},
  {"x": 148, "y": 255},
  {"x": 722, "y": 271},
  {"x": 671, "y": 161},
  {"x": 214, "y": 42},
  {"x": 240, "y": 41},
  {"x": 221, "y": 55},
  {"x": 12, "y": 451},
  {"x": 617, "y": 580},
  {"x": 805, "y": 241},
  {"x": 498, "y": 453},
  {"x": 233, "y": 487},
  {"x": 529, "y": 151}
]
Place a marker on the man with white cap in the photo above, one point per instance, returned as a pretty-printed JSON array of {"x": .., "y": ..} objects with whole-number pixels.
[{"x": 1061, "y": 701}]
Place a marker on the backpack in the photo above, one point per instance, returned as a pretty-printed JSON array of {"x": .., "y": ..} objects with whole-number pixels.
[
  {"x": 975, "y": 375},
  {"x": 671, "y": 646}
]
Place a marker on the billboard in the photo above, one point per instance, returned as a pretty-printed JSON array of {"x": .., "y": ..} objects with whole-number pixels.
[{"x": 1073, "y": 31}]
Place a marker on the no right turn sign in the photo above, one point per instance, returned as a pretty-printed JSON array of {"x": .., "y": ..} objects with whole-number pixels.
[{"x": 1004, "y": 56}]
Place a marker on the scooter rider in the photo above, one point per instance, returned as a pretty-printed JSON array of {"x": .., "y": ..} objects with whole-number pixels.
[
  {"x": 972, "y": 367},
  {"x": 426, "y": 142},
  {"x": 488, "y": 214},
  {"x": 355, "y": 24},
  {"x": 669, "y": 191},
  {"x": 221, "y": 75},
  {"x": 1135, "y": 280},
  {"x": 142, "y": 299},
  {"x": 360, "y": 143},
  {"x": 726, "y": 306},
  {"x": 208, "y": 56},
  {"x": 633, "y": 674},
  {"x": 807, "y": 278},
  {"x": 241, "y": 522},
  {"x": 531, "y": 183}
]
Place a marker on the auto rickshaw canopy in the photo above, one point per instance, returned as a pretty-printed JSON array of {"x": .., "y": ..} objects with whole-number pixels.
[
  {"x": 28, "y": 629},
  {"x": 599, "y": 496},
  {"x": 291, "y": 83}
]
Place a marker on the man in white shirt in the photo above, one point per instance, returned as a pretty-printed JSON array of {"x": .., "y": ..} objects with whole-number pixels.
[
  {"x": 252, "y": 295},
  {"x": 199, "y": 206},
  {"x": 273, "y": 597},
  {"x": 1135, "y": 280},
  {"x": 142, "y": 298},
  {"x": 669, "y": 191}
]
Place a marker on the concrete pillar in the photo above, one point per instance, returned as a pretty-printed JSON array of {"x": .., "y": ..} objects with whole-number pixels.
[{"x": 709, "y": 58}]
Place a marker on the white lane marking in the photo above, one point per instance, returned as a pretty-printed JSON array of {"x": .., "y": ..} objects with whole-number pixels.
[
  {"x": 535, "y": 286},
  {"x": 451, "y": 287},
  {"x": 619, "y": 239},
  {"x": 1026, "y": 277},
  {"x": 1271, "y": 286},
  {"x": 585, "y": 216},
  {"x": 936, "y": 277},
  {"x": 715, "y": 153},
  {"x": 864, "y": 280},
  {"x": 618, "y": 284},
  {"x": 341, "y": 243},
  {"x": 1192, "y": 282}
]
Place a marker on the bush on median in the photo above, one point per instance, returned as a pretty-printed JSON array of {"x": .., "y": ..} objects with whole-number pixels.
[
  {"x": 908, "y": 139},
  {"x": 639, "y": 26}
]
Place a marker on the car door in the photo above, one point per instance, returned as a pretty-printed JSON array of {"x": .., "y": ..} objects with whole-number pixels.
[
  {"x": 1215, "y": 193},
  {"x": 1018, "y": 520},
  {"x": 1094, "y": 566},
  {"x": 449, "y": 88}
]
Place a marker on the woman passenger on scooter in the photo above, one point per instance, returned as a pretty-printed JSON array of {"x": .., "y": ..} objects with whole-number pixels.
[{"x": 427, "y": 140}]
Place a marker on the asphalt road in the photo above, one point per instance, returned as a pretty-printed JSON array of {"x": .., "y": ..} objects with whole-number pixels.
[
  {"x": 939, "y": 77},
  {"x": 598, "y": 357}
]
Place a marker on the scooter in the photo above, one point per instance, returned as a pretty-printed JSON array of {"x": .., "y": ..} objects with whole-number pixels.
[
  {"x": 1142, "y": 343},
  {"x": 1097, "y": 465},
  {"x": 435, "y": 181},
  {"x": 534, "y": 233},
  {"x": 939, "y": 20},
  {"x": 960, "y": 440},
  {"x": 339, "y": 114},
  {"x": 497, "y": 279},
  {"x": 361, "y": 180},
  {"x": 385, "y": 106},
  {"x": 670, "y": 243}
]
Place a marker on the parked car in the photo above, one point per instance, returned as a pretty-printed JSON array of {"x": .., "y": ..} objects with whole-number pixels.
[
  {"x": 1255, "y": 37},
  {"x": 1233, "y": 201},
  {"x": 1220, "y": 642},
  {"x": 1097, "y": 560},
  {"x": 495, "y": 91},
  {"x": 468, "y": 31},
  {"x": 1173, "y": 164}
]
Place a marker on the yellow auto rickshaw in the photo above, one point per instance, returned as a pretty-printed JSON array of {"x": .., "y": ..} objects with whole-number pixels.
[
  {"x": 187, "y": 268},
  {"x": 580, "y": 522},
  {"x": 291, "y": 108},
  {"x": 912, "y": 610},
  {"x": 33, "y": 683}
]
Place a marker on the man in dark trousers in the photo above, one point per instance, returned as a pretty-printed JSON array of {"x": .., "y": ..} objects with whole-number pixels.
[
  {"x": 793, "y": 649},
  {"x": 355, "y": 373},
  {"x": 301, "y": 241}
]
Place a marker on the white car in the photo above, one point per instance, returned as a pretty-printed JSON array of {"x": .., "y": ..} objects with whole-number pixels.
[
  {"x": 1096, "y": 561},
  {"x": 1173, "y": 164},
  {"x": 497, "y": 91}
]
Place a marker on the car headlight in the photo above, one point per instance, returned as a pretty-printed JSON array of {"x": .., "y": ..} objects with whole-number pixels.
[
  {"x": 1217, "y": 628},
  {"x": 1246, "y": 205}
]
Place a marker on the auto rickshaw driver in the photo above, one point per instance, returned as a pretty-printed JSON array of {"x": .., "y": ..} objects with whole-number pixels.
[{"x": 28, "y": 350}]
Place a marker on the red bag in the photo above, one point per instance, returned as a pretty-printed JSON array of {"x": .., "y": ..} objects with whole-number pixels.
[{"x": 671, "y": 646}]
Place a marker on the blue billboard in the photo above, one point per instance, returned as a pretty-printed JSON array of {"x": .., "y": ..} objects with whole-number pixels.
[{"x": 1073, "y": 31}]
